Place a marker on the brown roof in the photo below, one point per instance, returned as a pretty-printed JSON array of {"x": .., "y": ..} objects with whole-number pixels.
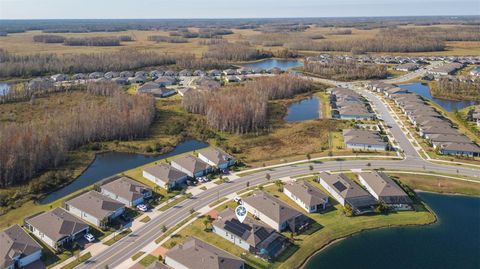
[
  {"x": 15, "y": 242},
  {"x": 272, "y": 207},
  {"x": 165, "y": 172},
  {"x": 191, "y": 163},
  {"x": 307, "y": 193},
  {"x": 197, "y": 254},
  {"x": 57, "y": 223},
  {"x": 95, "y": 204},
  {"x": 216, "y": 156},
  {"x": 126, "y": 188},
  {"x": 386, "y": 189}
]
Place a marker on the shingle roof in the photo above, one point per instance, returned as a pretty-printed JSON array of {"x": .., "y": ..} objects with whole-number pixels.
[
  {"x": 196, "y": 254},
  {"x": 216, "y": 156},
  {"x": 272, "y": 207},
  {"x": 165, "y": 172},
  {"x": 356, "y": 136},
  {"x": 465, "y": 147},
  {"x": 386, "y": 189},
  {"x": 57, "y": 223},
  {"x": 191, "y": 163},
  {"x": 307, "y": 193},
  {"x": 15, "y": 242},
  {"x": 348, "y": 190},
  {"x": 250, "y": 230},
  {"x": 126, "y": 188},
  {"x": 95, "y": 204}
]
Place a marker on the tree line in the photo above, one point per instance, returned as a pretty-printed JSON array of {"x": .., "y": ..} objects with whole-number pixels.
[
  {"x": 84, "y": 41},
  {"x": 466, "y": 88},
  {"x": 32, "y": 147},
  {"x": 340, "y": 69},
  {"x": 238, "y": 51},
  {"x": 167, "y": 39},
  {"x": 243, "y": 109}
]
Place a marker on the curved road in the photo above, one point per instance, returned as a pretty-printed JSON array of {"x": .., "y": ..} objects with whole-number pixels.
[{"x": 128, "y": 246}]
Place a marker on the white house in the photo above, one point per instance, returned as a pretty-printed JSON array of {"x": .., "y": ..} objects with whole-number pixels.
[
  {"x": 306, "y": 196},
  {"x": 17, "y": 248},
  {"x": 216, "y": 157},
  {"x": 56, "y": 227},
  {"x": 127, "y": 191},
  {"x": 165, "y": 176},
  {"x": 95, "y": 208}
]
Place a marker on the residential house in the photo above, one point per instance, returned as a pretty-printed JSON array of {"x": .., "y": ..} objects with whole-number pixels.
[
  {"x": 407, "y": 67},
  {"x": 120, "y": 80},
  {"x": 459, "y": 149},
  {"x": 59, "y": 77},
  {"x": 165, "y": 81},
  {"x": 364, "y": 140},
  {"x": 126, "y": 74},
  {"x": 384, "y": 189},
  {"x": 79, "y": 76},
  {"x": 216, "y": 157},
  {"x": 165, "y": 176},
  {"x": 127, "y": 191},
  {"x": 275, "y": 213},
  {"x": 143, "y": 74},
  {"x": 136, "y": 79},
  {"x": 17, "y": 248},
  {"x": 306, "y": 196},
  {"x": 251, "y": 235},
  {"x": 347, "y": 192},
  {"x": 185, "y": 73},
  {"x": 95, "y": 208},
  {"x": 156, "y": 74},
  {"x": 56, "y": 227},
  {"x": 191, "y": 165},
  {"x": 196, "y": 254},
  {"x": 95, "y": 75},
  {"x": 111, "y": 75}
]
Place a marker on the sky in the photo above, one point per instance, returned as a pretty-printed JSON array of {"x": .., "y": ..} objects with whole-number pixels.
[{"x": 160, "y": 9}]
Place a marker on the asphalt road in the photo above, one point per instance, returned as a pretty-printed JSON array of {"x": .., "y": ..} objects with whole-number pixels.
[{"x": 128, "y": 246}]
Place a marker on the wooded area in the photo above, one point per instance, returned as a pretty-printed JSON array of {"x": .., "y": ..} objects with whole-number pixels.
[
  {"x": 31, "y": 147},
  {"x": 456, "y": 89},
  {"x": 243, "y": 109},
  {"x": 238, "y": 51},
  {"x": 346, "y": 70}
]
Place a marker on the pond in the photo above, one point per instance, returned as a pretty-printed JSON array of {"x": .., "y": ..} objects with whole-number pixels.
[
  {"x": 111, "y": 163},
  {"x": 4, "y": 88},
  {"x": 452, "y": 242},
  {"x": 306, "y": 109},
  {"x": 449, "y": 105},
  {"x": 283, "y": 64}
]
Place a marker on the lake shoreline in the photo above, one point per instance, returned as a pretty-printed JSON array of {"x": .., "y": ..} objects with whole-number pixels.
[{"x": 336, "y": 240}]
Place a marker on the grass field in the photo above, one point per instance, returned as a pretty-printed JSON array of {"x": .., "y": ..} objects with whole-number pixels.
[{"x": 22, "y": 43}]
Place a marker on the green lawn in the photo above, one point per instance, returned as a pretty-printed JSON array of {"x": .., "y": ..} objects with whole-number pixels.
[
  {"x": 78, "y": 261},
  {"x": 137, "y": 255},
  {"x": 117, "y": 237},
  {"x": 147, "y": 260}
]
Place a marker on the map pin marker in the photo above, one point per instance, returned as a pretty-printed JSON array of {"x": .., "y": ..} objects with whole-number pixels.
[{"x": 241, "y": 213}]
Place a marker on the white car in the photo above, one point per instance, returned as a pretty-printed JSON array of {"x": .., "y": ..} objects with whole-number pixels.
[
  {"x": 142, "y": 207},
  {"x": 90, "y": 238},
  {"x": 237, "y": 199}
]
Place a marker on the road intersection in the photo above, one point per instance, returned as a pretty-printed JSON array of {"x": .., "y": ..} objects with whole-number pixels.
[{"x": 126, "y": 247}]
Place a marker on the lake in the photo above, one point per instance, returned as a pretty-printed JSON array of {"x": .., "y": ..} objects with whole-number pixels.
[
  {"x": 4, "y": 88},
  {"x": 111, "y": 163},
  {"x": 283, "y": 64},
  {"x": 452, "y": 242},
  {"x": 306, "y": 109},
  {"x": 448, "y": 105}
]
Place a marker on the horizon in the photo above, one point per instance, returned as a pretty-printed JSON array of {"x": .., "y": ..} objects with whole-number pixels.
[{"x": 216, "y": 9}]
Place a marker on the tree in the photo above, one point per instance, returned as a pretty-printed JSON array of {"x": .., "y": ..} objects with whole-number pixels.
[
  {"x": 163, "y": 228},
  {"x": 310, "y": 167},
  {"x": 192, "y": 210},
  {"x": 308, "y": 156},
  {"x": 267, "y": 176},
  {"x": 279, "y": 185},
  {"x": 206, "y": 223},
  {"x": 347, "y": 210}
]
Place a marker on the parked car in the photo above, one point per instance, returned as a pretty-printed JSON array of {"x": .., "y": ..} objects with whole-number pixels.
[
  {"x": 237, "y": 199},
  {"x": 90, "y": 238},
  {"x": 142, "y": 207}
]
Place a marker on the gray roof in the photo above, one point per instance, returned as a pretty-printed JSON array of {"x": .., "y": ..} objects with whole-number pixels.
[
  {"x": 348, "y": 190},
  {"x": 386, "y": 189},
  {"x": 191, "y": 163},
  {"x": 15, "y": 242},
  {"x": 95, "y": 204},
  {"x": 197, "y": 254},
  {"x": 464, "y": 147},
  {"x": 57, "y": 223},
  {"x": 165, "y": 172},
  {"x": 147, "y": 87},
  {"x": 354, "y": 136},
  {"x": 460, "y": 138},
  {"x": 126, "y": 188},
  {"x": 216, "y": 156},
  {"x": 250, "y": 230},
  {"x": 307, "y": 193},
  {"x": 272, "y": 207}
]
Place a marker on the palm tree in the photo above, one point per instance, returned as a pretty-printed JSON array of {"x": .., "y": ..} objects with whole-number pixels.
[
  {"x": 279, "y": 185},
  {"x": 206, "y": 222},
  {"x": 267, "y": 176}
]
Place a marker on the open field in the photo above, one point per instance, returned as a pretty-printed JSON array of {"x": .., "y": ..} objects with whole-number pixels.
[{"x": 22, "y": 43}]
